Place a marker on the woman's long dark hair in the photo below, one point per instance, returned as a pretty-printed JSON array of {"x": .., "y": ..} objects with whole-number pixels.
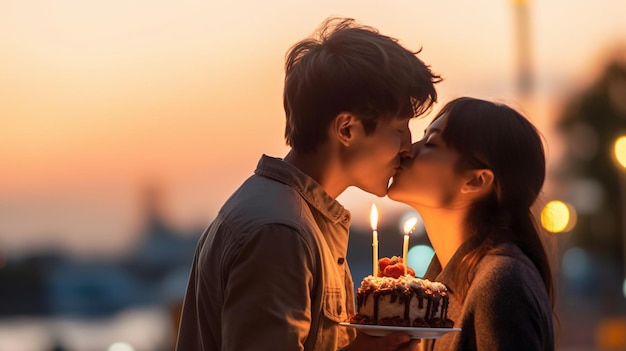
[{"x": 496, "y": 137}]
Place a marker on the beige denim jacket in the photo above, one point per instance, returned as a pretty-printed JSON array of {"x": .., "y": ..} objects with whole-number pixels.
[{"x": 270, "y": 272}]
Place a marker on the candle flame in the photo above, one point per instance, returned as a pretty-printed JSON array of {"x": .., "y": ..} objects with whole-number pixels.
[
  {"x": 374, "y": 217},
  {"x": 409, "y": 225}
]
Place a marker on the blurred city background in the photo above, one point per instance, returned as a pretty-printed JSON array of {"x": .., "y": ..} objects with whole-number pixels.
[{"x": 126, "y": 124}]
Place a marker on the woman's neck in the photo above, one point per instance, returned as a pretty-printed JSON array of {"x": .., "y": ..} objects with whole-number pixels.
[{"x": 446, "y": 231}]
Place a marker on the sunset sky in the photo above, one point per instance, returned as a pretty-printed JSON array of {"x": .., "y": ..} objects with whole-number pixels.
[{"x": 100, "y": 98}]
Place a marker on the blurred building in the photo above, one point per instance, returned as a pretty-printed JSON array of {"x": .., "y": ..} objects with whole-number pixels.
[{"x": 154, "y": 273}]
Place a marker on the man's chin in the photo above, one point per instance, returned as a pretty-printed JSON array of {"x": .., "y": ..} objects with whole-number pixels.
[{"x": 378, "y": 191}]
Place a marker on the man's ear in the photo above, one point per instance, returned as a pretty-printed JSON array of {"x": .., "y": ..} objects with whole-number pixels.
[
  {"x": 478, "y": 180},
  {"x": 342, "y": 127}
]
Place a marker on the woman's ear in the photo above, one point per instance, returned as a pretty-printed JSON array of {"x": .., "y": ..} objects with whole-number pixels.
[
  {"x": 478, "y": 181},
  {"x": 342, "y": 128}
]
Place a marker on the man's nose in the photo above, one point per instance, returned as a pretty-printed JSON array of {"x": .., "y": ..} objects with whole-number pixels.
[
  {"x": 414, "y": 150},
  {"x": 408, "y": 157},
  {"x": 406, "y": 149}
]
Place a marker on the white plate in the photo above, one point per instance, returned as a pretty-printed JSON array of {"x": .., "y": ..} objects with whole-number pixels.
[{"x": 414, "y": 332}]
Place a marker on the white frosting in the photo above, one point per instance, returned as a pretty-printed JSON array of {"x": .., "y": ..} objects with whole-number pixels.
[
  {"x": 438, "y": 287},
  {"x": 371, "y": 282}
]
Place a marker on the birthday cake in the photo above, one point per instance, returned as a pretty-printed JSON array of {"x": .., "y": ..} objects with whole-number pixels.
[{"x": 394, "y": 298}]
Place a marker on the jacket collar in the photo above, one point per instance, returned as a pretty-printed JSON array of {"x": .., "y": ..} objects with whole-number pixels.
[{"x": 313, "y": 193}]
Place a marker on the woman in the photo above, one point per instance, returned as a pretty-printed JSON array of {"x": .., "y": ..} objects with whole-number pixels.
[{"x": 474, "y": 178}]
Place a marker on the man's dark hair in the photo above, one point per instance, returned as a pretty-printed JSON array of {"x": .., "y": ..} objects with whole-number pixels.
[{"x": 347, "y": 67}]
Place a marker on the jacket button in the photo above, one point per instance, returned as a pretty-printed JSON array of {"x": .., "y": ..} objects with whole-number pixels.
[{"x": 340, "y": 260}]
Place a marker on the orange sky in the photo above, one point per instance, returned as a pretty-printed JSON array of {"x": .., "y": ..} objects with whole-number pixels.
[{"x": 98, "y": 98}]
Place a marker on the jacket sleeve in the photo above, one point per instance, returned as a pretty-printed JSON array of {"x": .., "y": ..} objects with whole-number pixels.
[
  {"x": 267, "y": 292},
  {"x": 508, "y": 312}
]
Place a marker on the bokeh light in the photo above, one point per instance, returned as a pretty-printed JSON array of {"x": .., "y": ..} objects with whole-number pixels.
[
  {"x": 558, "y": 217},
  {"x": 419, "y": 258},
  {"x": 120, "y": 346},
  {"x": 620, "y": 151},
  {"x": 611, "y": 334},
  {"x": 576, "y": 263},
  {"x": 586, "y": 195}
]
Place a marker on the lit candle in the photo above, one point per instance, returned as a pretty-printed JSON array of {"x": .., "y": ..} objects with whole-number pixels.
[
  {"x": 374, "y": 224},
  {"x": 409, "y": 227}
]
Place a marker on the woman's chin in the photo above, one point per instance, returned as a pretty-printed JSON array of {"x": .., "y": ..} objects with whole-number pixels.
[{"x": 393, "y": 193}]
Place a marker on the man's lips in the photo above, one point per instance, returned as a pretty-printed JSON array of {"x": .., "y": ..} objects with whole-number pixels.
[
  {"x": 397, "y": 167},
  {"x": 398, "y": 170}
]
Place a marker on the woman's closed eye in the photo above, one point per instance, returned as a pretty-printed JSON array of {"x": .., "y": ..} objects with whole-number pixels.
[
  {"x": 429, "y": 141},
  {"x": 431, "y": 136}
]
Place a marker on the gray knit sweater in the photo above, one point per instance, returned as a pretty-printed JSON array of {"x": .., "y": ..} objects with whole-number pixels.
[{"x": 506, "y": 306}]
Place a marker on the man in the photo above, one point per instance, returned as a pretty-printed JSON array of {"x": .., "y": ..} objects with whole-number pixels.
[{"x": 270, "y": 273}]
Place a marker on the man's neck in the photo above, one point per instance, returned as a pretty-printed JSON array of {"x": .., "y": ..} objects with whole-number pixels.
[{"x": 320, "y": 166}]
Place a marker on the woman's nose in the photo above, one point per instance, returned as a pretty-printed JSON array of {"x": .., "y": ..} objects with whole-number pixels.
[{"x": 415, "y": 148}]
